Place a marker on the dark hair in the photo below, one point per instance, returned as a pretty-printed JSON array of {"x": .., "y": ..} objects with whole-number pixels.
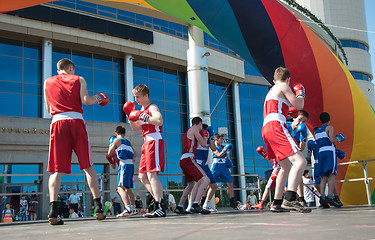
[
  {"x": 120, "y": 130},
  {"x": 204, "y": 126},
  {"x": 196, "y": 121},
  {"x": 218, "y": 135},
  {"x": 324, "y": 117},
  {"x": 303, "y": 113},
  {"x": 64, "y": 64},
  {"x": 306, "y": 171},
  {"x": 281, "y": 73}
]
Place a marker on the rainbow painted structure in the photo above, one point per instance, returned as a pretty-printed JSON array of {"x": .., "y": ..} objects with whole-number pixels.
[{"x": 269, "y": 35}]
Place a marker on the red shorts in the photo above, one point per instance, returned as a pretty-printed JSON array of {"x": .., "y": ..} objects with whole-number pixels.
[
  {"x": 152, "y": 159},
  {"x": 279, "y": 143},
  {"x": 272, "y": 180},
  {"x": 67, "y": 135},
  {"x": 191, "y": 169}
]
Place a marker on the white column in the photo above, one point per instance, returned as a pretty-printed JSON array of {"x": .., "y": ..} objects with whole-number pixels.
[
  {"x": 199, "y": 104},
  {"x": 129, "y": 81},
  {"x": 238, "y": 135},
  {"x": 46, "y": 70}
]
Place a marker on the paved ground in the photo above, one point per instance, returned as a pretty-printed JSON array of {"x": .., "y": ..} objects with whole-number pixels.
[{"x": 345, "y": 223}]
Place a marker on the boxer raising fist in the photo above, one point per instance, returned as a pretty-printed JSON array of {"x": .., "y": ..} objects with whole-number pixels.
[
  {"x": 65, "y": 93},
  {"x": 128, "y": 107}
]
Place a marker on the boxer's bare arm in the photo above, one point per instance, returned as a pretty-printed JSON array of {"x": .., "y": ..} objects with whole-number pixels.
[{"x": 155, "y": 116}]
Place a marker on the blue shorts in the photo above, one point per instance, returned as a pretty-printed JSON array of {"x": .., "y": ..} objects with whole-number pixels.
[
  {"x": 316, "y": 173},
  {"x": 208, "y": 173},
  {"x": 221, "y": 173},
  {"x": 125, "y": 175},
  {"x": 328, "y": 163}
]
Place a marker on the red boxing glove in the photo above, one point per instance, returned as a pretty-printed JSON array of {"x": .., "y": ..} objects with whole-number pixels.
[
  {"x": 102, "y": 99},
  {"x": 262, "y": 152},
  {"x": 299, "y": 90},
  {"x": 136, "y": 115},
  {"x": 128, "y": 107},
  {"x": 293, "y": 112},
  {"x": 204, "y": 133},
  {"x": 109, "y": 159}
]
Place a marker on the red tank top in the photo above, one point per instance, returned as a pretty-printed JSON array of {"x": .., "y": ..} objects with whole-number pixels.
[
  {"x": 148, "y": 128},
  {"x": 276, "y": 106},
  {"x": 188, "y": 145},
  {"x": 63, "y": 93}
]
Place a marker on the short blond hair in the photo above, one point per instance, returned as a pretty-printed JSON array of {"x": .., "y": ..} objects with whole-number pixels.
[
  {"x": 64, "y": 64},
  {"x": 142, "y": 89},
  {"x": 281, "y": 73}
]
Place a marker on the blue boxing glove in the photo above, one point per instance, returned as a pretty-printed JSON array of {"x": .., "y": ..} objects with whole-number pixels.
[
  {"x": 228, "y": 147},
  {"x": 302, "y": 129},
  {"x": 228, "y": 162},
  {"x": 340, "y": 137},
  {"x": 210, "y": 132},
  {"x": 310, "y": 146},
  {"x": 111, "y": 139},
  {"x": 340, "y": 154}
]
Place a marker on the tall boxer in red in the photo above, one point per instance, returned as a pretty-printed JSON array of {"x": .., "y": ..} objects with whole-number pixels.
[
  {"x": 279, "y": 142},
  {"x": 65, "y": 93},
  {"x": 152, "y": 156}
]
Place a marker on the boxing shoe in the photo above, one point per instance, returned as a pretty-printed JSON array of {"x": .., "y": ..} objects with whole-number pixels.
[
  {"x": 278, "y": 208},
  {"x": 98, "y": 209},
  {"x": 295, "y": 206},
  {"x": 209, "y": 208},
  {"x": 337, "y": 199},
  {"x": 179, "y": 210},
  {"x": 54, "y": 217},
  {"x": 323, "y": 202},
  {"x": 158, "y": 212},
  {"x": 197, "y": 209},
  {"x": 125, "y": 213},
  {"x": 260, "y": 205},
  {"x": 332, "y": 202}
]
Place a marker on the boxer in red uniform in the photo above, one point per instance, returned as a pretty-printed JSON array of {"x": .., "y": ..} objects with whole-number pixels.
[
  {"x": 152, "y": 158},
  {"x": 64, "y": 94},
  {"x": 279, "y": 142},
  {"x": 194, "y": 173}
]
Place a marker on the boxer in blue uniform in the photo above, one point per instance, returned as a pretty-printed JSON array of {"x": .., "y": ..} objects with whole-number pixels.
[
  {"x": 298, "y": 131},
  {"x": 313, "y": 150},
  {"x": 125, "y": 156},
  {"x": 221, "y": 165},
  {"x": 325, "y": 140}
]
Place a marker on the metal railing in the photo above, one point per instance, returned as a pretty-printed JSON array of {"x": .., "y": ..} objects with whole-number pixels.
[{"x": 366, "y": 178}]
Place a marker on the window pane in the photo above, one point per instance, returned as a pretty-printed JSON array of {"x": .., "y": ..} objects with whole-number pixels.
[
  {"x": 88, "y": 112},
  {"x": 32, "y": 51},
  {"x": 10, "y": 87},
  {"x": 32, "y": 71},
  {"x": 256, "y": 108},
  {"x": 59, "y": 53},
  {"x": 155, "y": 72},
  {"x": 103, "y": 114},
  {"x": 31, "y": 106},
  {"x": 140, "y": 69},
  {"x": 11, "y": 105},
  {"x": 103, "y": 62},
  {"x": 82, "y": 59},
  {"x": 255, "y": 92},
  {"x": 171, "y": 91},
  {"x": 11, "y": 68},
  {"x": 32, "y": 89},
  {"x": 86, "y": 73},
  {"x": 10, "y": 47},
  {"x": 244, "y": 91},
  {"x": 157, "y": 89},
  {"x": 172, "y": 123},
  {"x": 173, "y": 143},
  {"x": 170, "y": 76},
  {"x": 103, "y": 81}
]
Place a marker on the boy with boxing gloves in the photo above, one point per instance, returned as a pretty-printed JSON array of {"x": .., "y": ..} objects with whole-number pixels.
[
  {"x": 279, "y": 142},
  {"x": 221, "y": 165},
  {"x": 194, "y": 173},
  {"x": 325, "y": 139},
  {"x": 152, "y": 156},
  {"x": 64, "y": 94}
]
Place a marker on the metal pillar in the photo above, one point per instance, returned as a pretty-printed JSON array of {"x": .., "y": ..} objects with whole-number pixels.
[
  {"x": 367, "y": 183},
  {"x": 129, "y": 80},
  {"x": 46, "y": 70},
  {"x": 199, "y": 104},
  {"x": 238, "y": 135}
]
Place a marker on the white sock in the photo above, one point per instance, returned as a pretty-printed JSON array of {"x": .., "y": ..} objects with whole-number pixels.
[{"x": 207, "y": 203}]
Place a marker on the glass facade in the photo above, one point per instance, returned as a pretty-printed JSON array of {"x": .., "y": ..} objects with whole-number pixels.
[
  {"x": 102, "y": 74},
  {"x": 354, "y": 44},
  {"x": 20, "y": 80},
  {"x": 251, "y": 107},
  {"x": 360, "y": 76},
  {"x": 168, "y": 91}
]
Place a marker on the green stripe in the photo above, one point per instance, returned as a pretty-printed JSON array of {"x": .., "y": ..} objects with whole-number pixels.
[{"x": 179, "y": 9}]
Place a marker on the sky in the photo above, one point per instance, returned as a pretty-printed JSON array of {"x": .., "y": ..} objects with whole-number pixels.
[{"x": 370, "y": 15}]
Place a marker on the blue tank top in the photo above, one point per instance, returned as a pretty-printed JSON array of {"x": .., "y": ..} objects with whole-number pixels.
[
  {"x": 295, "y": 135},
  {"x": 219, "y": 149},
  {"x": 321, "y": 137},
  {"x": 125, "y": 150},
  {"x": 312, "y": 147},
  {"x": 201, "y": 153}
]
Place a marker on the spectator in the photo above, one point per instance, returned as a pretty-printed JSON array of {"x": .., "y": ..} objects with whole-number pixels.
[
  {"x": 7, "y": 214},
  {"x": 308, "y": 186},
  {"x": 247, "y": 205},
  {"x": 171, "y": 202},
  {"x": 116, "y": 203},
  {"x": 33, "y": 206},
  {"x": 139, "y": 204},
  {"x": 73, "y": 201},
  {"x": 23, "y": 208},
  {"x": 252, "y": 198},
  {"x": 72, "y": 213}
]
